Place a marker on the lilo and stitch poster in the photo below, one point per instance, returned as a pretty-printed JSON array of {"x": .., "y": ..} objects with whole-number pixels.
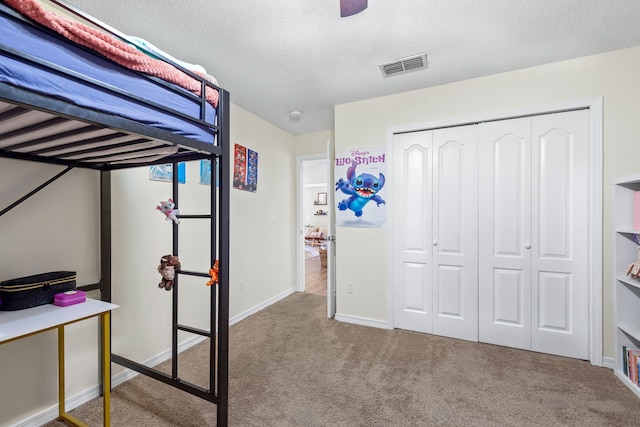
[{"x": 360, "y": 187}]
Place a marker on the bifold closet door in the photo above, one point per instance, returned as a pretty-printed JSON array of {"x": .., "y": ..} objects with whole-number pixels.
[
  {"x": 435, "y": 232},
  {"x": 533, "y": 282},
  {"x": 505, "y": 235},
  {"x": 412, "y": 246},
  {"x": 455, "y": 232},
  {"x": 560, "y": 223}
]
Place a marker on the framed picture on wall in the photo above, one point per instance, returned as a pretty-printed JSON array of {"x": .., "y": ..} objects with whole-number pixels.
[{"x": 322, "y": 199}]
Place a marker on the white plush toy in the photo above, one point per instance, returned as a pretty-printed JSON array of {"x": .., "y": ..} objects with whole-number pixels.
[{"x": 167, "y": 208}]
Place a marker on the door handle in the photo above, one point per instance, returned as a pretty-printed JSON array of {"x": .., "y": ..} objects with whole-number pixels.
[
  {"x": 527, "y": 245},
  {"x": 435, "y": 243}
]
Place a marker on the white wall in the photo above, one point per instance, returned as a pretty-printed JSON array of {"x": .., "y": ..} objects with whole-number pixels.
[
  {"x": 612, "y": 75},
  {"x": 263, "y": 234},
  {"x": 56, "y": 229},
  {"x": 261, "y": 249},
  {"x": 312, "y": 143},
  {"x": 310, "y": 195},
  {"x": 59, "y": 229}
]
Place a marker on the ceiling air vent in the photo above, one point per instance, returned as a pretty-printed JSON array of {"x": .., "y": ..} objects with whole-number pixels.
[{"x": 404, "y": 65}]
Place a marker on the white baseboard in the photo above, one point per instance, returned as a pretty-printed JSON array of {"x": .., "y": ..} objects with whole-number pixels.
[
  {"x": 85, "y": 396},
  {"x": 51, "y": 413},
  {"x": 91, "y": 393},
  {"x": 609, "y": 362},
  {"x": 257, "y": 308},
  {"x": 374, "y": 323},
  {"x": 128, "y": 374}
]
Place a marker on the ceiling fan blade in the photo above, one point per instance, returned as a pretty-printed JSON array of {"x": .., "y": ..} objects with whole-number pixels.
[{"x": 351, "y": 7}]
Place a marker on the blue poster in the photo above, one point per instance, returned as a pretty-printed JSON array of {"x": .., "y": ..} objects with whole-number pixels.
[
  {"x": 205, "y": 172},
  {"x": 165, "y": 172}
]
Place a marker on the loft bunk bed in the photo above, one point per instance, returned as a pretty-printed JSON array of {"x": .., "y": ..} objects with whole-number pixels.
[{"x": 64, "y": 101}]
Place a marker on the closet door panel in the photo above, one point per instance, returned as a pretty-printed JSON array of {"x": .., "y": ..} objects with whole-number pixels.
[
  {"x": 504, "y": 233},
  {"x": 560, "y": 221},
  {"x": 413, "y": 269},
  {"x": 455, "y": 225},
  {"x": 508, "y": 298}
]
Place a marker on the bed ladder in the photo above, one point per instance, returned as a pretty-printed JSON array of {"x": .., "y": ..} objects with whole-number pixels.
[
  {"x": 218, "y": 342},
  {"x": 218, "y": 391}
]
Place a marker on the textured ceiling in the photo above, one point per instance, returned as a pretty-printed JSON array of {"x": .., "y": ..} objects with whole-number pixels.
[{"x": 275, "y": 56}]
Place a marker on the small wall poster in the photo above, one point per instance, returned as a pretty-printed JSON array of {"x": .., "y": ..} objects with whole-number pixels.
[
  {"x": 360, "y": 175},
  {"x": 165, "y": 172},
  {"x": 245, "y": 169},
  {"x": 205, "y": 172}
]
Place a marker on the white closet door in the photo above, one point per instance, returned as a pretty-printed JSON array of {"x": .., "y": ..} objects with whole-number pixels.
[
  {"x": 455, "y": 232},
  {"x": 505, "y": 233},
  {"x": 534, "y": 233},
  {"x": 412, "y": 157},
  {"x": 560, "y": 293}
]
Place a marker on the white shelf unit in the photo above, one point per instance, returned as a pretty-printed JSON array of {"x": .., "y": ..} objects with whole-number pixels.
[{"x": 626, "y": 289}]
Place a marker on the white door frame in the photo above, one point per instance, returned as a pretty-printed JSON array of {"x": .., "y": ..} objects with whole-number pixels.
[
  {"x": 300, "y": 264},
  {"x": 594, "y": 105},
  {"x": 331, "y": 238}
]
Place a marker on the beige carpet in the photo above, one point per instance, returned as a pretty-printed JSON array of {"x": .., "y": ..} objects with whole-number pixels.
[{"x": 290, "y": 366}]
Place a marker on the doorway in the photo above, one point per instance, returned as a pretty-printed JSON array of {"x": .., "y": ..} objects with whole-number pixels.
[{"x": 314, "y": 225}]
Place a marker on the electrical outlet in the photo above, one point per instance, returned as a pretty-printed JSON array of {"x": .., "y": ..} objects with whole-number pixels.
[
  {"x": 241, "y": 286},
  {"x": 349, "y": 286}
]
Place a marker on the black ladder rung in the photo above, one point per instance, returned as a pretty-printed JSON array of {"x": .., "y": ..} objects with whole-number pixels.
[
  {"x": 194, "y": 330},
  {"x": 196, "y": 390},
  {"x": 192, "y": 273},
  {"x": 194, "y": 216}
]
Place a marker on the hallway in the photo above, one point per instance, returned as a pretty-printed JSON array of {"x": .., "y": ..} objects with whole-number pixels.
[{"x": 315, "y": 275}]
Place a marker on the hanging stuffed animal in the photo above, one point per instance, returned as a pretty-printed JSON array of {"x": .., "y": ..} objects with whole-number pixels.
[
  {"x": 167, "y": 269},
  {"x": 213, "y": 272},
  {"x": 167, "y": 208}
]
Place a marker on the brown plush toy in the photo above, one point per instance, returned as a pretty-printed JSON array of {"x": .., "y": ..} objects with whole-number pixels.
[{"x": 167, "y": 269}]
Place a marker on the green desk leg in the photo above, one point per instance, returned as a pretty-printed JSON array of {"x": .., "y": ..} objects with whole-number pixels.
[
  {"x": 106, "y": 366},
  {"x": 106, "y": 369},
  {"x": 61, "y": 384}
]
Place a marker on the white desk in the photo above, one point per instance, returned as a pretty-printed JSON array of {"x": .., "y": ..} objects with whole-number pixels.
[{"x": 23, "y": 323}]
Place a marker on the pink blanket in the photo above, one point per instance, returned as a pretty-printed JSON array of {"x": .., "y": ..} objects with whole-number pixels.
[{"x": 110, "y": 47}]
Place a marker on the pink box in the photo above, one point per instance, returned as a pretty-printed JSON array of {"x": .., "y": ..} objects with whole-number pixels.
[
  {"x": 64, "y": 299},
  {"x": 636, "y": 210}
]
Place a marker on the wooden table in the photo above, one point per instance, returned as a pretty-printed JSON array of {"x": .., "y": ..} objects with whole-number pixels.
[{"x": 15, "y": 325}]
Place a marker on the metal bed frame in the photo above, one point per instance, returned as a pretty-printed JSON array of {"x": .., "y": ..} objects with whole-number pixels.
[{"x": 24, "y": 100}]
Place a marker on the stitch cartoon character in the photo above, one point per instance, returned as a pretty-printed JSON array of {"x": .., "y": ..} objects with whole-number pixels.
[
  {"x": 167, "y": 269},
  {"x": 361, "y": 190},
  {"x": 167, "y": 208}
]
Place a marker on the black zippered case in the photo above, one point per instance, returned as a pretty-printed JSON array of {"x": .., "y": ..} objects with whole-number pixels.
[{"x": 31, "y": 291}]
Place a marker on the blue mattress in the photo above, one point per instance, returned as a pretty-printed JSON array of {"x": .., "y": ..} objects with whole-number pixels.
[{"x": 31, "y": 40}]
